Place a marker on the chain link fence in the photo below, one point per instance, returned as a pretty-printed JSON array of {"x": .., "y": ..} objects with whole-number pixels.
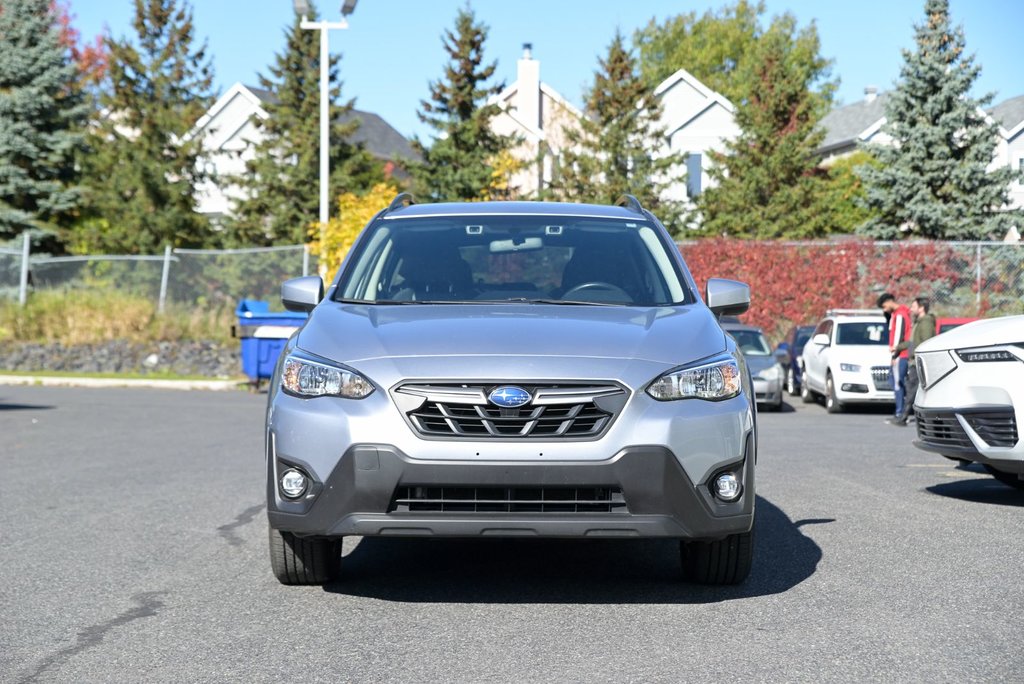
[
  {"x": 794, "y": 283},
  {"x": 193, "y": 277}
]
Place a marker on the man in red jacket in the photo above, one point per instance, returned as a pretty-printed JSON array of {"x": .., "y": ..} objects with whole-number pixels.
[{"x": 899, "y": 331}]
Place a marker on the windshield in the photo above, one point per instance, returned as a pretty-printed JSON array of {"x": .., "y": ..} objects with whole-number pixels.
[
  {"x": 513, "y": 258},
  {"x": 862, "y": 333},
  {"x": 751, "y": 342}
]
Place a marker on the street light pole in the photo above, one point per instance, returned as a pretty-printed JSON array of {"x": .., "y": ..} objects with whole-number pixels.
[{"x": 302, "y": 8}]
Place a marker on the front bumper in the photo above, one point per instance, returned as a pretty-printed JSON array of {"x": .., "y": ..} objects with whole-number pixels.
[
  {"x": 768, "y": 391},
  {"x": 972, "y": 410},
  {"x": 359, "y": 497},
  {"x": 864, "y": 386}
]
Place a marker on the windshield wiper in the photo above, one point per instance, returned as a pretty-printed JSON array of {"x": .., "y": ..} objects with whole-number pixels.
[{"x": 567, "y": 302}]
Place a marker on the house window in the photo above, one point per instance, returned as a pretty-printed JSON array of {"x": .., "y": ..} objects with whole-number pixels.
[{"x": 693, "y": 173}]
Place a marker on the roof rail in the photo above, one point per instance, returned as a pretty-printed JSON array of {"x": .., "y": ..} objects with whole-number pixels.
[
  {"x": 402, "y": 199},
  {"x": 630, "y": 202},
  {"x": 853, "y": 312}
]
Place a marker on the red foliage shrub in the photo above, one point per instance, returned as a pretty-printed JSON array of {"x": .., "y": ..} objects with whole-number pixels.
[{"x": 795, "y": 283}]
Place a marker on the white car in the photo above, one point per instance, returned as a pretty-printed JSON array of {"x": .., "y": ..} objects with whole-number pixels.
[
  {"x": 847, "y": 361},
  {"x": 971, "y": 399}
]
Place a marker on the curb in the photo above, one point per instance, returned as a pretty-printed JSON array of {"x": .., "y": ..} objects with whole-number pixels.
[{"x": 60, "y": 381}]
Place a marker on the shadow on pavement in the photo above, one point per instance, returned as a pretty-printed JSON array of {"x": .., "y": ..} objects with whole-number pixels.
[
  {"x": 567, "y": 571},
  {"x": 24, "y": 407},
  {"x": 987, "y": 490}
]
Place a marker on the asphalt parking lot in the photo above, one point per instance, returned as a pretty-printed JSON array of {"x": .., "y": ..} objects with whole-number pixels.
[{"x": 134, "y": 549}]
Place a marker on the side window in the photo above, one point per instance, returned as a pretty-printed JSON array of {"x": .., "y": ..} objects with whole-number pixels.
[{"x": 693, "y": 174}]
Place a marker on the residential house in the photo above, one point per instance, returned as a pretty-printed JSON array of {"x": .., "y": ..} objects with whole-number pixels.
[
  {"x": 695, "y": 120},
  {"x": 540, "y": 117},
  {"x": 230, "y": 135}
]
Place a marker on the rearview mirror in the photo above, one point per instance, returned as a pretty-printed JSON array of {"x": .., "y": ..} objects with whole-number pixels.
[
  {"x": 782, "y": 356},
  {"x": 727, "y": 297},
  {"x": 821, "y": 338},
  {"x": 302, "y": 294}
]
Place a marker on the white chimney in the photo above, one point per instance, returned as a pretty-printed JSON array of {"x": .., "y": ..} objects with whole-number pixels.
[
  {"x": 870, "y": 93},
  {"x": 528, "y": 95}
]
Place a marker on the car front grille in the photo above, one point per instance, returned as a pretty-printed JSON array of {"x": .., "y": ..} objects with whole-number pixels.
[
  {"x": 997, "y": 427},
  {"x": 555, "y": 411},
  {"x": 444, "y": 499},
  {"x": 882, "y": 376},
  {"x": 941, "y": 429}
]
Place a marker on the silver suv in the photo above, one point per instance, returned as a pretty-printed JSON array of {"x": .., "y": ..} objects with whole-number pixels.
[{"x": 512, "y": 369}]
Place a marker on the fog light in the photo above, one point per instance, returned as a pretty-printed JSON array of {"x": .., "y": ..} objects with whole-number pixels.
[
  {"x": 727, "y": 487},
  {"x": 293, "y": 483}
]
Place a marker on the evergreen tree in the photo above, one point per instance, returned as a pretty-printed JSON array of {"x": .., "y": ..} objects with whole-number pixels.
[
  {"x": 281, "y": 186},
  {"x": 933, "y": 180},
  {"x": 41, "y": 120},
  {"x": 142, "y": 165},
  {"x": 618, "y": 148},
  {"x": 460, "y": 163},
  {"x": 767, "y": 182}
]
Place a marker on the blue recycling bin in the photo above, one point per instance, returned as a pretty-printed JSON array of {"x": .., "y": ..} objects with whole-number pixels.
[{"x": 263, "y": 334}]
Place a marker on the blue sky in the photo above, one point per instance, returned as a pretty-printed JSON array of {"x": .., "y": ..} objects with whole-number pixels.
[{"x": 393, "y": 47}]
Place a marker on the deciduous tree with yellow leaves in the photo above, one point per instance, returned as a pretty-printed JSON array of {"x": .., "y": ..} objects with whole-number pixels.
[{"x": 354, "y": 212}]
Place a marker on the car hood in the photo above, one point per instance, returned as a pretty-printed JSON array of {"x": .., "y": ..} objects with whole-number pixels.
[
  {"x": 983, "y": 333},
  {"x": 351, "y": 333},
  {"x": 756, "y": 364}
]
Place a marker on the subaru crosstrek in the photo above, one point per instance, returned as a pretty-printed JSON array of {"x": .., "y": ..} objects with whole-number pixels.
[{"x": 512, "y": 369}]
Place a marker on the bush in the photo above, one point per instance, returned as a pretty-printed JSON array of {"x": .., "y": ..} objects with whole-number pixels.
[{"x": 98, "y": 315}]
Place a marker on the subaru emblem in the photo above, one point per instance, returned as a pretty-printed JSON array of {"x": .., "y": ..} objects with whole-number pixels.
[{"x": 509, "y": 397}]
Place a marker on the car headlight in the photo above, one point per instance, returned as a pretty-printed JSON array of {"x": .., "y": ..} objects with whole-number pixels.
[
  {"x": 306, "y": 378},
  {"x": 983, "y": 355},
  {"x": 772, "y": 373},
  {"x": 712, "y": 381},
  {"x": 849, "y": 367}
]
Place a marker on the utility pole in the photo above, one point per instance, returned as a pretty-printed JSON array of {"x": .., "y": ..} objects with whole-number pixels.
[{"x": 302, "y": 8}]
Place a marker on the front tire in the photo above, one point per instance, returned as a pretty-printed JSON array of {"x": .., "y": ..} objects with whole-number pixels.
[
  {"x": 806, "y": 395},
  {"x": 298, "y": 560},
  {"x": 832, "y": 405},
  {"x": 723, "y": 561},
  {"x": 1010, "y": 479}
]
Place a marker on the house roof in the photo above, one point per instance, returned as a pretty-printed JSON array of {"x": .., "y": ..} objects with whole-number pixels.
[
  {"x": 693, "y": 82},
  {"x": 1009, "y": 113},
  {"x": 379, "y": 137},
  {"x": 844, "y": 125}
]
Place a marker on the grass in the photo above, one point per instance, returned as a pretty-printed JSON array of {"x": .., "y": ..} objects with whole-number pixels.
[
  {"x": 95, "y": 316},
  {"x": 156, "y": 375}
]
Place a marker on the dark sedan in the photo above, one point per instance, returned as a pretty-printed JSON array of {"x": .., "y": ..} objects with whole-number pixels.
[{"x": 793, "y": 345}]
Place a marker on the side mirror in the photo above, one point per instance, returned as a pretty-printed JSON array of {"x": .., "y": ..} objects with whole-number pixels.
[
  {"x": 822, "y": 339},
  {"x": 782, "y": 356},
  {"x": 727, "y": 297},
  {"x": 302, "y": 294}
]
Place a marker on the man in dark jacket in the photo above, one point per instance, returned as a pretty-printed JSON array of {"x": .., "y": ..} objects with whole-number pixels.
[{"x": 924, "y": 327}]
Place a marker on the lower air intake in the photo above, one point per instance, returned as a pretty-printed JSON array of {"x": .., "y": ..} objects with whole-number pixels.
[{"x": 413, "y": 499}]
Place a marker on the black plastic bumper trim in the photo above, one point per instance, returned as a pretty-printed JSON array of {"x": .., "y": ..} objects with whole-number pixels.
[{"x": 661, "y": 499}]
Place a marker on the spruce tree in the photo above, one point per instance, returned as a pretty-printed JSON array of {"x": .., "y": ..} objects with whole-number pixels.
[
  {"x": 281, "y": 186},
  {"x": 933, "y": 180},
  {"x": 41, "y": 120},
  {"x": 767, "y": 184},
  {"x": 142, "y": 165},
  {"x": 460, "y": 162},
  {"x": 618, "y": 148}
]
